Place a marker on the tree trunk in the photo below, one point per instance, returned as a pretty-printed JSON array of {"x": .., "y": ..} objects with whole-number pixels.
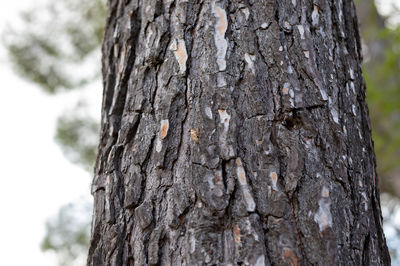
[{"x": 235, "y": 132}]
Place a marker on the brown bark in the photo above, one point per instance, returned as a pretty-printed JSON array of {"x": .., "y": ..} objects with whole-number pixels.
[{"x": 235, "y": 132}]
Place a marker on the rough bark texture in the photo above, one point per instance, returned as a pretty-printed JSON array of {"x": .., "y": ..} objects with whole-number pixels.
[{"x": 235, "y": 132}]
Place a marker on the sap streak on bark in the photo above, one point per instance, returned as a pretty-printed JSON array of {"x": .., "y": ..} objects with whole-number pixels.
[{"x": 234, "y": 133}]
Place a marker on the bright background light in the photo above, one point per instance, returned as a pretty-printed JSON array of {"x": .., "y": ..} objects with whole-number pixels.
[
  {"x": 387, "y": 8},
  {"x": 36, "y": 179}
]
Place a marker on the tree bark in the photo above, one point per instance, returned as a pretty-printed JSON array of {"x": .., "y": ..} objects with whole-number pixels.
[{"x": 235, "y": 132}]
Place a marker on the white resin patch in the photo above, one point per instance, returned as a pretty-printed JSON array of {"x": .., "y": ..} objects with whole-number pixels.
[
  {"x": 260, "y": 261},
  {"x": 248, "y": 198},
  {"x": 324, "y": 217},
  {"x": 192, "y": 243},
  {"x": 210, "y": 180},
  {"x": 221, "y": 82},
  {"x": 323, "y": 94},
  {"x": 352, "y": 87},
  {"x": 287, "y": 25},
  {"x": 351, "y": 72},
  {"x": 173, "y": 46},
  {"x": 246, "y": 12},
  {"x": 208, "y": 112},
  {"x": 250, "y": 62},
  {"x": 340, "y": 11},
  {"x": 315, "y": 16},
  {"x": 335, "y": 115},
  {"x": 241, "y": 176},
  {"x": 291, "y": 93},
  {"x": 158, "y": 145},
  {"x": 354, "y": 109},
  {"x": 225, "y": 118},
  {"x": 219, "y": 36},
  {"x": 301, "y": 31},
  {"x": 364, "y": 195}
]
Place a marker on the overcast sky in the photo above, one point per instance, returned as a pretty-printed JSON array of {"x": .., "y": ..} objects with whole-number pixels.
[{"x": 36, "y": 180}]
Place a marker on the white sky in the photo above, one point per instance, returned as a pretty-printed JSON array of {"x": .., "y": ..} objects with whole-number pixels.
[
  {"x": 387, "y": 7},
  {"x": 36, "y": 178}
]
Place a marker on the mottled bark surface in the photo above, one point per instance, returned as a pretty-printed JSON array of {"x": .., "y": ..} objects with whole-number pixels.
[{"x": 235, "y": 132}]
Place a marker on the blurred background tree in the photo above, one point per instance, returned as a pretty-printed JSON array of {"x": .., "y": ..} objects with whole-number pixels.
[
  {"x": 58, "y": 48},
  {"x": 381, "y": 71},
  {"x": 67, "y": 233}
]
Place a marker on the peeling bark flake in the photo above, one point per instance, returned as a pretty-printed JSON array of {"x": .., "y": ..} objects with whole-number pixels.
[
  {"x": 241, "y": 176},
  {"x": 219, "y": 36},
  {"x": 180, "y": 54},
  {"x": 250, "y": 62},
  {"x": 164, "y": 128},
  {"x": 323, "y": 217}
]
